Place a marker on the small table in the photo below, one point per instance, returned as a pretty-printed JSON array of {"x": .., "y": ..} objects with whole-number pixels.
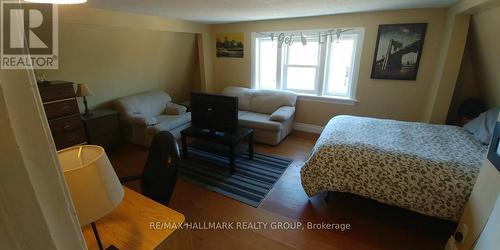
[
  {"x": 230, "y": 140},
  {"x": 135, "y": 224},
  {"x": 103, "y": 128}
]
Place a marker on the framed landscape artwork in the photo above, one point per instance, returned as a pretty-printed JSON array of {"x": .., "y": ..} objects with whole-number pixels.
[
  {"x": 229, "y": 44},
  {"x": 398, "y": 51}
]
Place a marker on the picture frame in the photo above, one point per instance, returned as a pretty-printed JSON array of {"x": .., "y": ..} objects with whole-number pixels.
[
  {"x": 398, "y": 51},
  {"x": 229, "y": 45}
]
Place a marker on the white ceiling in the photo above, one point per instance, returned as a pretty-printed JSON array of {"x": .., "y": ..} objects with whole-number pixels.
[{"x": 225, "y": 11}]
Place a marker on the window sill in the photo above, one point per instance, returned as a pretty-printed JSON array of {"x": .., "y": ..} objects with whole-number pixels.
[{"x": 331, "y": 100}]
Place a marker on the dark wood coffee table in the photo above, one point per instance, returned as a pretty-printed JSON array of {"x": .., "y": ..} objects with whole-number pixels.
[{"x": 230, "y": 140}]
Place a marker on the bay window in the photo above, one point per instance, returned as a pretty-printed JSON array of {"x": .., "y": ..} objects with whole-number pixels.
[{"x": 316, "y": 64}]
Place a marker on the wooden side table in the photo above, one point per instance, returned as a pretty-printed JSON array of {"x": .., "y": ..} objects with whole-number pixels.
[{"x": 103, "y": 128}]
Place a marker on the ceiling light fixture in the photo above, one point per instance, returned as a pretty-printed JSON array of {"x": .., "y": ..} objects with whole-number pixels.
[{"x": 57, "y": 1}]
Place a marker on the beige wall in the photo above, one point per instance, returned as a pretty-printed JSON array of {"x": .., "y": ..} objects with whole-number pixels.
[
  {"x": 35, "y": 210},
  {"x": 118, "y": 61},
  {"x": 479, "y": 75},
  {"x": 482, "y": 210},
  {"x": 79, "y": 14},
  {"x": 450, "y": 56},
  {"x": 448, "y": 60},
  {"x": 490, "y": 236},
  {"x": 480, "y": 204},
  {"x": 481, "y": 66},
  {"x": 403, "y": 100},
  {"x": 119, "y": 53},
  {"x": 466, "y": 86},
  {"x": 485, "y": 54}
]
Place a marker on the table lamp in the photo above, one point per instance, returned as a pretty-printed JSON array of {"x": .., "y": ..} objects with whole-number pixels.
[
  {"x": 83, "y": 90},
  {"x": 93, "y": 185}
]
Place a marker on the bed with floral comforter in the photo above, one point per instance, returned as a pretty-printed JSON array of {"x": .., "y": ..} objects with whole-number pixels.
[{"x": 429, "y": 169}]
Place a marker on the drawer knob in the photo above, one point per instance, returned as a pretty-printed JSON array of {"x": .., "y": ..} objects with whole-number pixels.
[{"x": 67, "y": 127}]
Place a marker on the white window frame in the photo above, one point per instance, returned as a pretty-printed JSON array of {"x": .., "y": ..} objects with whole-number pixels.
[
  {"x": 285, "y": 65},
  {"x": 255, "y": 59},
  {"x": 320, "y": 93}
]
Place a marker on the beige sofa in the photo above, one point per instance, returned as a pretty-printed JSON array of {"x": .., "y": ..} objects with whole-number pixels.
[
  {"x": 145, "y": 114},
  {"x": 269, "y": 112}
]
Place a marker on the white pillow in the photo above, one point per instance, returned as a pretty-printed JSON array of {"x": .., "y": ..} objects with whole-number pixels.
[
  {"x": 482, "y": 127},
  {"x": 174, "y": 109},
  {"x": 282, "y": 114}
]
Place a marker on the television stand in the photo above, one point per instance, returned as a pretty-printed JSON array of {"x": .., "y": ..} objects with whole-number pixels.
[
  {"x": 213, "y": 132},
  {"x": 230, "y": 140}
]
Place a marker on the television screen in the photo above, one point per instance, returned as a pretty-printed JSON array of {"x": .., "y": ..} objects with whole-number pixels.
[{"x": 216, "y": 113}]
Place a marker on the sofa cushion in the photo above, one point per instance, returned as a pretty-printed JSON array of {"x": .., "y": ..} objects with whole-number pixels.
[
  {"x": 169, "y": 122},
  {"x": 268, "y": 101},
  {"x": 175, "y": 109},
  {"x": 282, "y": 114},
  {"x": 141, "y": 120},
  {"x": 258, "y": 121},
  {"x": 242, "y": 113},
  {"x": 150, "y": 103},
  {"x": 244, "y": 96}
]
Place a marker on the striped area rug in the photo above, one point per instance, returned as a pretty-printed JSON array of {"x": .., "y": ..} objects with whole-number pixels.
[{"x": 251, "y": 182}]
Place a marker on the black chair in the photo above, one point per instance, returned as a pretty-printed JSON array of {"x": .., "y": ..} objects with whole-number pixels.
[{"x": 160, "y": 172}]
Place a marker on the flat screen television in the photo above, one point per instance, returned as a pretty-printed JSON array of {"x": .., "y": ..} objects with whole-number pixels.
[{"x": 216, "y": 113}]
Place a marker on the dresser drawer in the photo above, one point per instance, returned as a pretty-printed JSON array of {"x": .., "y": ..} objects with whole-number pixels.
[
  {"x": 56, "y": 92},
  {"x": 66, "y": 124},
  {"x": 62, "y": 108},
  {"x": 69, "y": 139}
]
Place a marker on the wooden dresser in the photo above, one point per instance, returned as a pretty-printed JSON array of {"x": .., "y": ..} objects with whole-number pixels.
[{"x": 61, "y": 109}]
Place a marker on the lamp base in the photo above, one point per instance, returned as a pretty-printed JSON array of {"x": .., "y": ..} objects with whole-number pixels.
[
  {"x": 98, "y": 239},
  {"x": 96, "y": 234},
  {"x": 88, "y": 114},
  {"x": 87, "y": 111}
]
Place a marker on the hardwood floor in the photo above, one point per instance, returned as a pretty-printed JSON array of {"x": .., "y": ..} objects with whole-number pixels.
[{"x": 373, "y": 225}]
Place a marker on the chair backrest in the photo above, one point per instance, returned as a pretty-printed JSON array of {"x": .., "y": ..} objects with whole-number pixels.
[
  {"x": 149, "y": 103},
  {"x": 160, "y": 173},
  {"x": 244, "y": 96},
  {"x": 261, "y": 101},
  {"x": 268, "y": 101}
]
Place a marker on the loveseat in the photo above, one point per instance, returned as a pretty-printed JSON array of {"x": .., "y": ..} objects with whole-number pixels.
[
  {"x": 145, "y": 114},
  {"x": 269, "y": 112}
]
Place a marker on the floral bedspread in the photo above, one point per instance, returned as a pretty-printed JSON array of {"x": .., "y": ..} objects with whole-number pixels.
[{"x": 429, "y": 169}]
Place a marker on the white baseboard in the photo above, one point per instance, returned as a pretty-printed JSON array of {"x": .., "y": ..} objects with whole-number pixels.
[{"x": 304, "y": 127}]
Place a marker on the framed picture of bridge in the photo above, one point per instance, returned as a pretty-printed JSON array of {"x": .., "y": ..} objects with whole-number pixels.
[{"x": 398, "y": 51}]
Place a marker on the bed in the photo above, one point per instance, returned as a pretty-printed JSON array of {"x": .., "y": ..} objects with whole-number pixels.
[{"x": 429, "y": 169}]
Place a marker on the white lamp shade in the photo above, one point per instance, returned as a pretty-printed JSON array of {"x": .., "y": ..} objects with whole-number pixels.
[
  {"x": 94, "y": 187},
  {"x": 82, "y": 89}
]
